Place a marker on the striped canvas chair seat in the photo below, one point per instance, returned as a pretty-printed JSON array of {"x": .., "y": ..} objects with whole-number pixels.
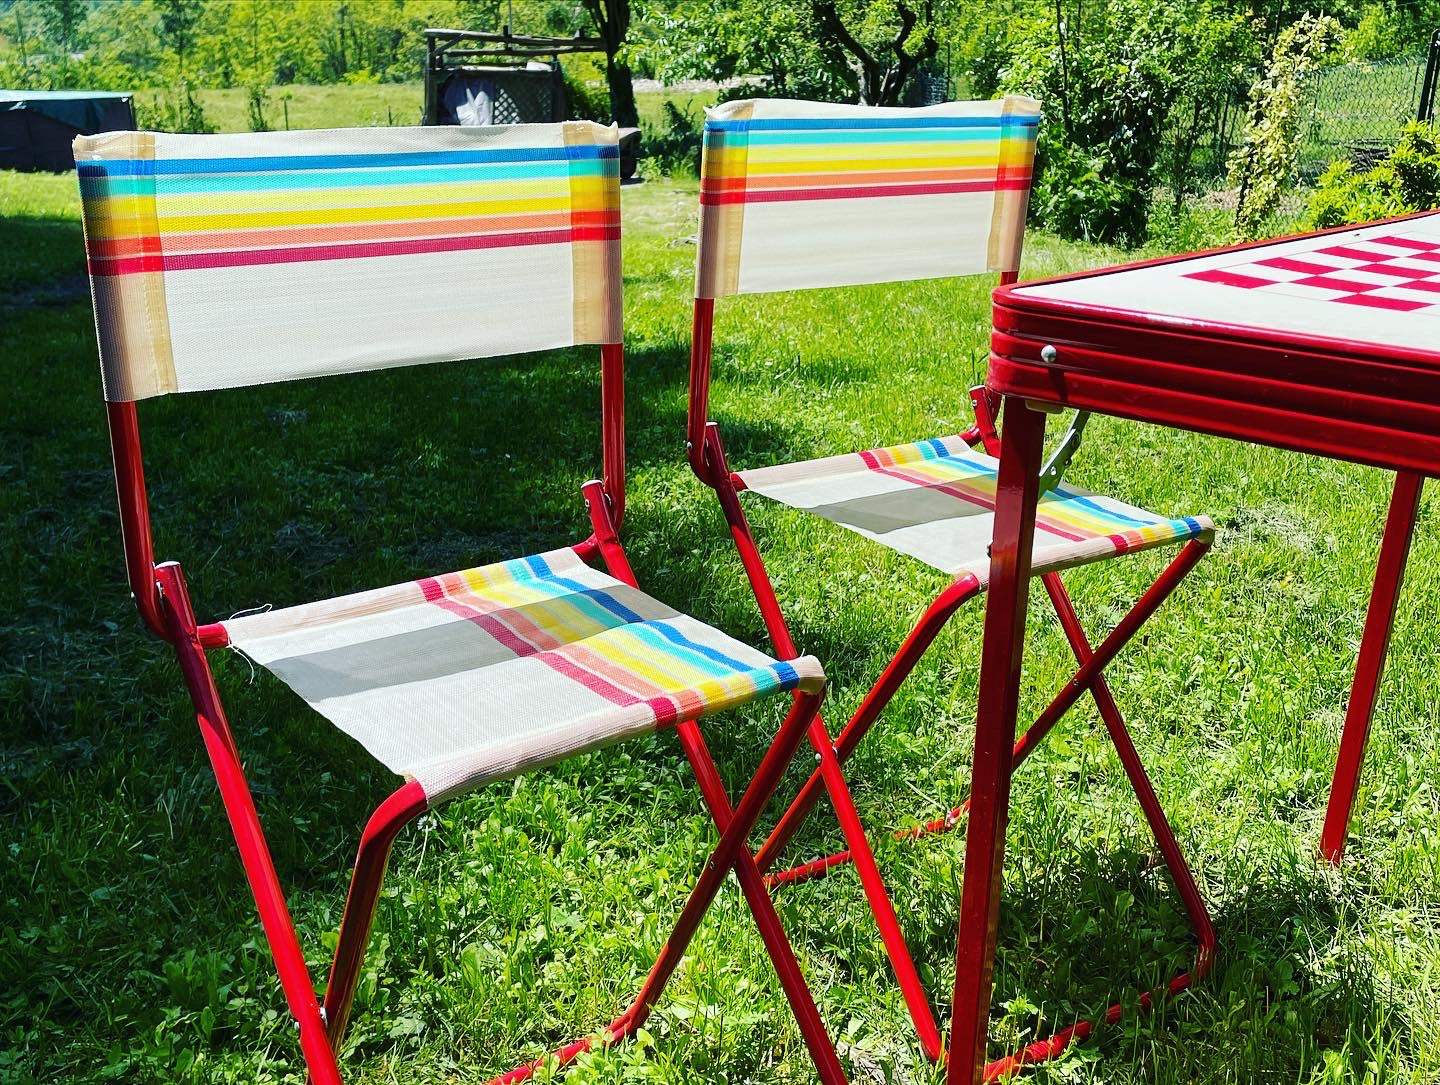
[
  {"x": 934, "y": 499},
  {"x": 468, "y": 677}
]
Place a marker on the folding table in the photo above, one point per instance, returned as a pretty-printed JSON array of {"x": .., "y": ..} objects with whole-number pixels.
[{"x": 1327, "y": 343}]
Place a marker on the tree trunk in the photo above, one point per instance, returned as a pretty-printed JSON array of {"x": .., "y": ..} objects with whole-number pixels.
[
  {"x": 622, "y": 93},
  {"x": 612, "y": 19}
]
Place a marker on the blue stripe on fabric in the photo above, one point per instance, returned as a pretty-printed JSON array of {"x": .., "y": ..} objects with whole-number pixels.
[
  {"x": 937, "y": 446},
  {"x": 1070, "y": 497},
  {"x": 204, "y": 185},
  {"x": 973, "y": 466},
  {"x": 893, "y": 135},
  {"x": 144, "y": 167},
  {"x": 804, "y": 124},
  {"x": 597, "y": 597},
  {"x": 720, "y": 663}
]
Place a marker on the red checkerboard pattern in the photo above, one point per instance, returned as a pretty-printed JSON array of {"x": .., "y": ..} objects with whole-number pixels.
[{"x": 1393, "y": 271}]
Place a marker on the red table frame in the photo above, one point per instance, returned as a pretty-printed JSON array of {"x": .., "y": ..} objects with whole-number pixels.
[{"x": 1348, "y": 399}]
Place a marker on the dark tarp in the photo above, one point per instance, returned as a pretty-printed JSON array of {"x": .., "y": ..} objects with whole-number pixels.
[{"x": 37, "y": 126}]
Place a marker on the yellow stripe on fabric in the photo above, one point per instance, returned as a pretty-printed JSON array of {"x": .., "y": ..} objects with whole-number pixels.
[
  {"x": 626, "y": 650},
  {"x": 116, "y": 227},
  {"x": 852, "y": 161},
  {"x": 722, "y": 225},
  {"x": 131, "y": 313},
  {"x": 553, "y": 615},
  {"x": 1012, "y": 202},
  {"x": 367, "y": 195},
  {"x": 594, "y": 265},
  {"x": 633, "y": 653},
  {"x": 1053, "y": 508}
]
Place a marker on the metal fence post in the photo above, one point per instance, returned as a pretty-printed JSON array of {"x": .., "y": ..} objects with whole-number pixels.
[{"x": 1426, "y": 112}]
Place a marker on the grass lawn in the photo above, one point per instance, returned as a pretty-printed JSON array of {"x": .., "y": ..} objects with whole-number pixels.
[
  {"x": 366, "y": 105},
  {"x": 525, "y": 914}
]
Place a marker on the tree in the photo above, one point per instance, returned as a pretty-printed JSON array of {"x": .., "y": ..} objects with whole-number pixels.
[
  {"x": 177, "y": 27},
  {"x": 835, "y": 50},
  {"x": 63, "y": 22},
  {"x": 612, "y": 21},
  {"x": 887, "y": 39}
]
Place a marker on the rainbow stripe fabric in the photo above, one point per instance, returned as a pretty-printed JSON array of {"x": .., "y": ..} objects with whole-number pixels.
[
  {"x": 935, "y": 500},
  {"x": 463, "y": 678},
  {"x": 189, "y": 214},
  {"x": 863, "y": 194},
  {"x": 192, "y": 238}
]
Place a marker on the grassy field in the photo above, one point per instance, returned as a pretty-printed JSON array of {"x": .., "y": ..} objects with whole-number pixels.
[
  {"x": 524, "y": 914},
  {"x": 362, "y": 105}
]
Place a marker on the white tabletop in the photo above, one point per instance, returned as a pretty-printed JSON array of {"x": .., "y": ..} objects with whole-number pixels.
[{"x": 1375, "y": 284}]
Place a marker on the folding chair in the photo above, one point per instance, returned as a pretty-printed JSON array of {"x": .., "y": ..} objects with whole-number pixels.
[
  {"x": 796, "y": 195},
  {"x": 222, "y": 261}
]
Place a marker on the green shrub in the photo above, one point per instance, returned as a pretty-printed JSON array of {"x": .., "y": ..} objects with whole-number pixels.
[
  {"x": 256, "y": 99},
  {"x": 584, "y": 102},
  {"x": 1406, "y": 180},
  {"x": 675, "y": 149},
  {"x": 1261, "y": 168},
  {"x": 173, "y": 110},
  {"x": 1110, "y": 77}
]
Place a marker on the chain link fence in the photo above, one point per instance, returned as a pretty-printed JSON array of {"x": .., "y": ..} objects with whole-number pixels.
[{"x": 1353, "y": 110}]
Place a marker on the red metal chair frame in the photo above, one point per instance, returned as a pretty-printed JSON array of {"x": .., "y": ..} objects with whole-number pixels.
[
  {"x": 707, "y": 459},
  {"x": 162, "y": 596}
]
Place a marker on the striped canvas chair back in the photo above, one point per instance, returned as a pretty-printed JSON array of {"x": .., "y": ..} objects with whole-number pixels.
[
  {"x": 228, "y": 260},
  {"x": 802, "y": 194}
]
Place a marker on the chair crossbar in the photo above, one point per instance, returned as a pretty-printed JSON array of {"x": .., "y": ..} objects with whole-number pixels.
[{"x": 828, "y": 777}]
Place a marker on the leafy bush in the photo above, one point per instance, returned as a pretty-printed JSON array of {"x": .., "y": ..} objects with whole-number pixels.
[
  {"x": 1406, "y": 180},
  {"x": 256, "y": 99},
  {"x": 1110, "y": 78},
  {"x": 675, "y": 149},
  {"x": 173, "y": 110},
  {"x": 585, "y": 102},
  {"x": 1262, "y": 166}
]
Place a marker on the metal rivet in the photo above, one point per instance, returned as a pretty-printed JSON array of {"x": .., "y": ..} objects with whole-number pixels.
[{"x": 1048, "y": 354}]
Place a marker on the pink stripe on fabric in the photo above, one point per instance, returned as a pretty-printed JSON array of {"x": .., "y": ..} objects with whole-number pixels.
[
  {"x": 955, "y": 490},
  {"x": 511, "y": 639},
  {"x": 364, "y": 250},
  {"x": 712, "y": 196}
]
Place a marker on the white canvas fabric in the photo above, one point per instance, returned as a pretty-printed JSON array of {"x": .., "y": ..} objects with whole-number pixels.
[
  {"x": 934, "y": 500},
  {"x": 457, "y": 680},
  {"x": 227, "y": 260},
  {"x": 803, "y": 194}
]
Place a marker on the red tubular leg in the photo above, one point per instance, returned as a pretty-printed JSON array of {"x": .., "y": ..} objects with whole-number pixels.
[
  {"x": 899, "y": 668},
  {"x": 832, "y": 776},
  {"x": 1118, "y": 637},
  {"x": 245, "y": 822},
  {"x": 1374, "y": 642},
  {"x": 607, "y": 540},
  {"x": 791, "y": 734},
  {"x": 612, "y": 414},
  {"x": 772, "y": 932},
  {"x": 1139, "y": 780},
  {"x": 726, "y": 854},
  {"x": 1016, "y": 491},
  {"x": 399, "y": 810}
]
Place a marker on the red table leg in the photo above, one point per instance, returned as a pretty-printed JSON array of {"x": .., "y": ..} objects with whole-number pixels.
[
  {"x": 1374, "y": 641},
  {"x": 1017, "y": 490}
]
